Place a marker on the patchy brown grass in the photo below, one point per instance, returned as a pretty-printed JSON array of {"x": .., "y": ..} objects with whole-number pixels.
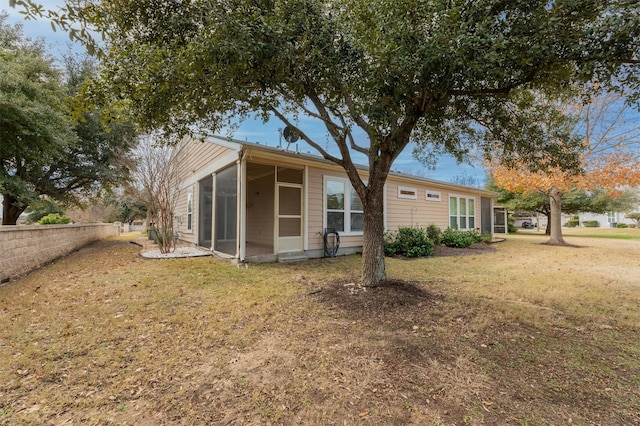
[{"x": 525, "y": 335}]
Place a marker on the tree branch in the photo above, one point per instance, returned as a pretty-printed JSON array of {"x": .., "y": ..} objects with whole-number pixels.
[
  {"x": 499, "y": 90},
  {"x": 306, "y": 138}
]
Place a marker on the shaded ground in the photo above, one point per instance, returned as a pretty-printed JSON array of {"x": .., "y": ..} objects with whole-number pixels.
[
  {"x": 106, "y": 337},
  {"x": 477, "y": 248}
]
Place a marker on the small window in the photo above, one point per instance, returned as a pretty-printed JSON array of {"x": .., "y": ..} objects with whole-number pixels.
[
  {"x": 189, "y": 209},
  {"x": 432, "y": 196},
  {"x": 406, "y": 192}
]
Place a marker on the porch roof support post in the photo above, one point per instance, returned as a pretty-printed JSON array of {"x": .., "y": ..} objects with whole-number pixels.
[
  {"x": 305, "y": 208},
  {"x": 493, "y": 224},
  {"x": 242, "y": 210},
  {"x": 213, "y": 211},
  {"x": 506, "y": 221}
]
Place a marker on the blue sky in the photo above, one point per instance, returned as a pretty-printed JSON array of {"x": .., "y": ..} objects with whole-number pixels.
[{"x": 254, "y": 130}]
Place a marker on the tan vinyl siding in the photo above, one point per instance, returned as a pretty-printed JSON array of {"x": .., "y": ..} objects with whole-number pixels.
[
  {"x": 420, "y": 212},
  {"x": 315, "y": 208},
  {"x": 181, "y": 209},
  {"x": 198, "y": 155}
]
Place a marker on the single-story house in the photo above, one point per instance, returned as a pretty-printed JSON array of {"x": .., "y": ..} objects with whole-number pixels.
[
  {"x": 607, "y": 220},
  {"x": 252, "y": 202}
]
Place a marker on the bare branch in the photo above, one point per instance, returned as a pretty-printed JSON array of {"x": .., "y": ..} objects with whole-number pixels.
[{"x": 306, "y": 138}]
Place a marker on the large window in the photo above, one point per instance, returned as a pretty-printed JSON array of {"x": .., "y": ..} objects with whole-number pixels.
[
  {"x": 343, "y": 207},
  {"x": 462, "y": 212}
]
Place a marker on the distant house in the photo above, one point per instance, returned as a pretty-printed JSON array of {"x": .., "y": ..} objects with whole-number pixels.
[
  {"x": 252, "y": 202},
  {"x": 607, "y": 220}
]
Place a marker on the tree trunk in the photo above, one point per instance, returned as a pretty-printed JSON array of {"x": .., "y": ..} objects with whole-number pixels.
[
  {"x": 373, "y": 268},
  {"x": 11, "y": 210},
  {"x": 555, "y": 219}
]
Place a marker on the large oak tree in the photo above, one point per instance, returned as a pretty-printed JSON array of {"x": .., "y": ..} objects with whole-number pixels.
[
  {"x": 44, "y": 150},
  {"x": 34, "y": 129},
  {"x": 441, "y": 73}
]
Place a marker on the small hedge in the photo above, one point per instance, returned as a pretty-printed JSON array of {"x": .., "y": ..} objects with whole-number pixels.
[
  {"x": 55, "y": 219},
  {"x": 419, "y": 242},
  {"x": 460, "y": 239},
  {"x": 572, "y": 223},
  {"x": 409, "y": 241},
  {"x": 590, "y": 223},
  {"x": 622, "y": 225}
]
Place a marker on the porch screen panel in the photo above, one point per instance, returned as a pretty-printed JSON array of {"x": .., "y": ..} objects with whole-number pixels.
[
  {"x": 289, "y": 227},
  {"x": 289, "y": 211},
  {"x": 485, "y": 215},
  {"x": 205, "y": 211},
  {"x": 226, "y": 210},
  {"x": 290, "y": 201},
  {"x": 287, "y": 175}
]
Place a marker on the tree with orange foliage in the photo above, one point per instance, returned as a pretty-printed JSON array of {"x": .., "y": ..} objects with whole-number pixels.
[{"x": 608, "y": 155}]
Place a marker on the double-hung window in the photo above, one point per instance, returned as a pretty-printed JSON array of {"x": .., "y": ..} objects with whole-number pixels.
[
  {"x": 462, "y": 212},
  {"x": 343, "y": 208}
]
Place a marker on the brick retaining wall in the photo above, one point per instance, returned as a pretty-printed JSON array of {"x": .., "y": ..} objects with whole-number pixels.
[{"x": 25, "y": 248}]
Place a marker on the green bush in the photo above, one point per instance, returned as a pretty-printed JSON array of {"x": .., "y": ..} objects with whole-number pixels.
[
  {"x": 622, "y": 225},
  {"x": 40, "y": 209},
  {"x": 486, "y": 238},
  {"x": 409, "y": 241},
  {"x": 54, "y": 219},
  {"x": 460, "y": 239},
  {"x": 511, "y": 224},
  {"x": 434, "y": 233},
  {"x": 572, "y": 223},
  {"x": 590, "y": 223}
]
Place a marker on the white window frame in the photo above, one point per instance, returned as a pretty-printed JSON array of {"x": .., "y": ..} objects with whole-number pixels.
[
  {"x": 427, "y": 197},
  {"x": 189, "y": 224},
  {"x": 403, "y": 192},
  {"x": 466, "y": 214},
  {"x": 347, "y": 205}
]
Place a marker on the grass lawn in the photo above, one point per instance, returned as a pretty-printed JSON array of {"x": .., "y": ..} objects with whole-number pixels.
[
  {"x": 610, "y": 233},
  {"x": 526, "y": 335}
]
